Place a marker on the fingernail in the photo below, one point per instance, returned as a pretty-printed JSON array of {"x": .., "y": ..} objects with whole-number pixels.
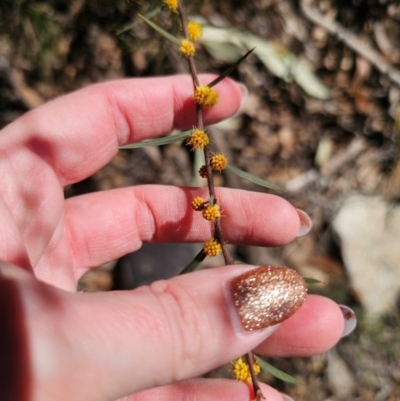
[
  {"x": 305, "y": 223},
  {"x": 245, "y": 93},
  {"x": 350, "y": 319},
  {"x": 285, "y": 397},
  {"x": 267, "y": 295}
]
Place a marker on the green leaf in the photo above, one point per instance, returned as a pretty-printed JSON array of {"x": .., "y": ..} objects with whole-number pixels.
[
  {"x": 165, "y": 140},
  {"x": 212, "y": 34},
  {"x": 276, "y": 372},
  {"x": 194, "y": 264},
  {"x": 226, "y": 52},
  {"x": 229, "y": 70},
  {"x": 253, "y": 179},
  {"x": 287, "y": 66},
  {"x": 278, "y": 63},
  {"x": 310, "y": 83},
  {"x": 310, "y": 280},
  {"x": 167, "y": 35},
  {"x": 281, "y": 62},
  {"x": 151, "y": 14}
]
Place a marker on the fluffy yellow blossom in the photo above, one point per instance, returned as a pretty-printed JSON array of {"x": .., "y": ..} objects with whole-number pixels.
[
  {"x": 218, "y": 162},
  {"x": 211, "y": 212},
  {"x": 198, "y": 139},
  {"x": 187, "y": 48},
  {"x": 198, "y": 203},
  {"x": 171, "y": 4},
  {"x": 241, "y": 369},
  {"x": 206, "y": 96},
  {"x": 212, "y": 247},
  {"x": 194, "y": 30},
  {"x": 203, "y": 172}
]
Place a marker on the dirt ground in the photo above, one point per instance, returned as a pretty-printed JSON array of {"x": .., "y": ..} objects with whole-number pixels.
[{"x": 325, "y": 134}]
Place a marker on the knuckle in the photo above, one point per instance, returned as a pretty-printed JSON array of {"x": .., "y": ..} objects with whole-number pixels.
[{"x": 186, "y": 322}]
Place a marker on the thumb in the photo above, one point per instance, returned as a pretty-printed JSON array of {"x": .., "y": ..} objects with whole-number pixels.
[{"x": 102, "y": 346}]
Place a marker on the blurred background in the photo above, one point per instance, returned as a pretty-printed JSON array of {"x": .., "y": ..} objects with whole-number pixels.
[{"x": 322, "y": 120}]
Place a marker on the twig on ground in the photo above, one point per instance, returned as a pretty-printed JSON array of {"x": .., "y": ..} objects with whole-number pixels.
[{"x": 352, "y": 41}]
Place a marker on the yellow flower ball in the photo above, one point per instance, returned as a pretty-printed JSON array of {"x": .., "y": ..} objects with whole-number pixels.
[
  {"x": 171, "y": 4},
  {"x": 241, "y": 369},
  {"x": 187, "y": 48},
  {"x": 218, "y": 162},
  {"x": 206, "y": 96},
  {"x": 194, "y": 30},
  {"x": 198, "y": 203},
  {"x": 211, "y": 212},
  {"x": 198, "y": 139},
  {"x": 212, "y": 247}
]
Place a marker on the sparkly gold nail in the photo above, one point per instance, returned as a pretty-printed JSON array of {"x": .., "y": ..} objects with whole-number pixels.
[{"x": 267, "y": 295}]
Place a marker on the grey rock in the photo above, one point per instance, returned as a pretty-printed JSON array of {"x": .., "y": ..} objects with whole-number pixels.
[{"x": 369, "y": 230}]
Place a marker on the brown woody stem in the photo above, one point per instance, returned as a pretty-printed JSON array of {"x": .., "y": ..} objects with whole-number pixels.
[
  {"x": 258, "y": 395},
  {"x": 218, "y": 234},
  {"x": 207, "y": 153}
]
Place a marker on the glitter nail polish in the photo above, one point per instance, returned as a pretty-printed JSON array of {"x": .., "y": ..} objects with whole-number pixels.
[{"x": 267, "y": 296}]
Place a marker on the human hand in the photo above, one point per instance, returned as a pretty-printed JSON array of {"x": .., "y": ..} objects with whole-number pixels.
[{"x": 59, "y": 345}]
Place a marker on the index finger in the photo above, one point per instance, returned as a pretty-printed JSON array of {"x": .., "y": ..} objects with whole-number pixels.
[{"x": 79, "y": 133}]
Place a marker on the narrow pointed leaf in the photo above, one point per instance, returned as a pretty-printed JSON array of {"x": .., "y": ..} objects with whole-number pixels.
[
  {"x": 194, "y": 264},
  {"x": 310, "y": 83},
  {"x": 225, "y": 52},
  {"x": 151, "y": 14},
  {"x": 165, "y": 140},
  {"x": 167, "y": 35},
  {"x": 253, "y": 179},
  {"x": 310, "y": 280},
  {"x": 229, "y": 70},
  {"x": 276, "y": 372},
  {"x": 276, "y": 62}
]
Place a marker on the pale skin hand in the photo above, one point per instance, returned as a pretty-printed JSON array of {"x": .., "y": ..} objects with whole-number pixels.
[{"x": 69, "y": 346}]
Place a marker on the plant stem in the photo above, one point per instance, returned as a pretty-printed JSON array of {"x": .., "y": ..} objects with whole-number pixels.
[
  {"x": 207, "y": 153},
  {"x": 218, "y": 234},
  {"x": 192, "y": 65},
  {"x": 256, "y": 387}
]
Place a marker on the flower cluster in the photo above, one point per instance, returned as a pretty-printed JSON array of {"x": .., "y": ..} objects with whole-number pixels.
[
  {"x": 211, "y": 212},
  {"x": 218, "y": 162},
  {"x": 205, "y": 96},
  {"x": 198, "y": 203},
  {"x": 198, "y": 139},
  {"x": 194, "y": 31},
  {"x": 212, "y": 247},
  {"x": 241, "y": 369},
  {"x": 171, "y": 4},
  {"x": 187, "y": 48}
]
